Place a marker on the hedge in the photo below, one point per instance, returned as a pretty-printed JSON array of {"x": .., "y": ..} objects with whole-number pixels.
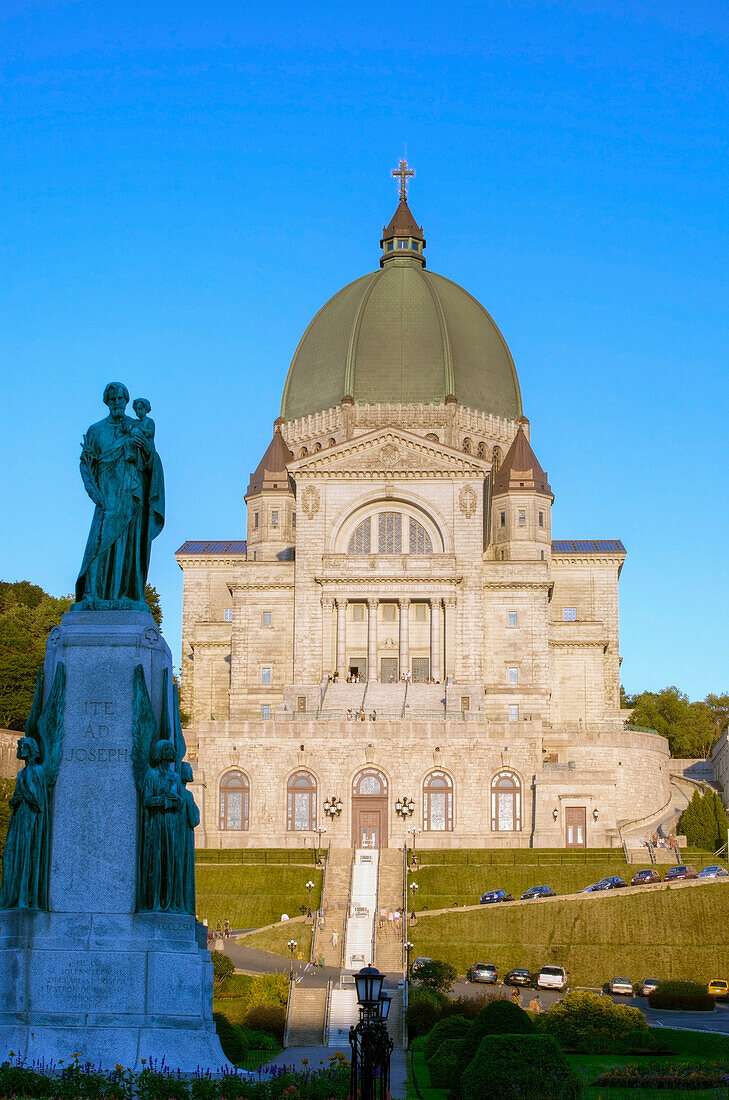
[{"x": 520, "y": 1066}]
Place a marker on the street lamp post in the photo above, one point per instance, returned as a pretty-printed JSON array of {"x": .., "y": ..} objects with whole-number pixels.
[
  {"x": 413, "y": 890},
  {"x": 370, "y": 1041},
  {"x": 319, "y": 833},
  {"x": 408, "y": 948},
  {"x": 309, "y": 888},
  {"x": 414, "y": 831},
  {"x": 292, "y": 945}
]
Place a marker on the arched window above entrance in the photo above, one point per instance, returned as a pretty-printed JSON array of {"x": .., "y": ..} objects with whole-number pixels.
[
  {"x": 301, "y": 802},
  {"x": 234, "y": 800},
  {"x": 370, "y": 782},
  {"x": 438, "y": 802},
  {"x": 505, "y": 802}
]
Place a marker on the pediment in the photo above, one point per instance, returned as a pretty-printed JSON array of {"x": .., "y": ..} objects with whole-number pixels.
[{"x": 389, "y": 452}]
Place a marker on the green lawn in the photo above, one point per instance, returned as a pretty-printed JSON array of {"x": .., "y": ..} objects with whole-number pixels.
[
  {"x": 250, "y": 895},
  {"x": 461, "y": 879},
  {"x": 276, "y": 939},
  {"x": 662, "y": 933}
]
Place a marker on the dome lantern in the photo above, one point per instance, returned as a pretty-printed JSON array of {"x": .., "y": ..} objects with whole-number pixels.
[{"x": 402, "y": 240}]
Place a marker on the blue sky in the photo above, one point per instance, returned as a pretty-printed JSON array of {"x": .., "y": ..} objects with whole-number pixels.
[{"x": 185, "y": 184}]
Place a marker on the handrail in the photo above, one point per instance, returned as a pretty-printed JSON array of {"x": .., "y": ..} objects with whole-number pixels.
[
  {"x": 375, "y": 912},
  {"x": 404, "y": 699},
  {"x": 404, "y": 911},
  {"x": 343, "y": 955},
  {"x": 327, "y": 1012},
  {"x": 289, "y": 1000},
  {"x": 322, "y": 692}
]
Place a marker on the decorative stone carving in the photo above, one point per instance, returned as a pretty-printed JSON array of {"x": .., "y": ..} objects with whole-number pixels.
[
  {"x": 389, "y": 454},
  {"x": 467, "y": 501},
  {"x": 310, "y": 501}
]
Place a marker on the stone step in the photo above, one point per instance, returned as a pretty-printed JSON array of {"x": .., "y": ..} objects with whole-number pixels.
[{"x": 307, "y": 1010}]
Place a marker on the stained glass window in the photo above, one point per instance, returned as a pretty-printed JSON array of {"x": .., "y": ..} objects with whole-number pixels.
[
  {"x": 369, "y": 782},
  {"x": 389, "y": 533},
  {"x": 419, "y": 539},
  {"x": 301, "y": 803},
  {"x": 360, "y": 541},
  {"x": 234, "y": 794},
  {"x": 505, "y": 802},
  {"x": 438, "y": 803}
]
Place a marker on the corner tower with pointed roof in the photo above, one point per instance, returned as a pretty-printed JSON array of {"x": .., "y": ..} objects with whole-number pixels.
[
  {"x": 521, "y": 514},
  {"x": 271, "y": 504}
]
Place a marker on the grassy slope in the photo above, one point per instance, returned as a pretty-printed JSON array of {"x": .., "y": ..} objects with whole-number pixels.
[
  {"x": 250, "y": 895},
  {"x": 276, "y": 939},
  {"x": 667, "y": 933}
]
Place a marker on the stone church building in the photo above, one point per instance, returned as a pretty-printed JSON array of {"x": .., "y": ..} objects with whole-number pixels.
[{"x": 399, "y": 643}]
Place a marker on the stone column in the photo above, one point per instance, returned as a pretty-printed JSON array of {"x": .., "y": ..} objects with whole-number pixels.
[
  {"x": 372, "y": 606},
  {"x": 404, "y": 635},
  {"x": 326, "y": 636},
  {"x": 435, "y": 639},
  {"x": 341, "y": 638},
  {"x": 450, "y": 636}
]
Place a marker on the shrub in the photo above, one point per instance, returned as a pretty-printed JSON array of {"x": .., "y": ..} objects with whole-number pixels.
[
  {"x": 270, "y": 1018},
  {"x": 234, "y": 1047},
  {"x": 447, "y": 1062},
  {"x": 470, "y": 1007},
  {"x": 450, "y": 1027},
  {"x": 683, "y": 995},
  {"x": 436, "y": 975},
  {"x": 684, "y": 1076},
  {"x": 590, "y": 1023},
  {"x": 497, "y": 1018},
  {"x": 519, "y": 1065},
  {"x": 20, "y": 1081},
  {"x": 425, "y": 1008},
  {"x": 223, "y": 967}
]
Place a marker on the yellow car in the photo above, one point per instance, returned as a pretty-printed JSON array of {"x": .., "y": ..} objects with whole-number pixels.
[{"x": 718, "y": 988}]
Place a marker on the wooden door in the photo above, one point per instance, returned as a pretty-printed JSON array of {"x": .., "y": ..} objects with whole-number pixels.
[
  {"x": 575, "y": 822},
  {"x": 370, "y": 833}
]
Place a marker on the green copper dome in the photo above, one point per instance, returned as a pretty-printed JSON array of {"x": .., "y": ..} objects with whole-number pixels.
[{"x": 402, "y": 335}]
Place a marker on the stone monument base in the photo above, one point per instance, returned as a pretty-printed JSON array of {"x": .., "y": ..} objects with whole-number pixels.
[{"x": 114, "y": 988}]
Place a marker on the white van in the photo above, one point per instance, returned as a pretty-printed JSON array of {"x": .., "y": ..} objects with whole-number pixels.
[{"x": 552, "y": 977}]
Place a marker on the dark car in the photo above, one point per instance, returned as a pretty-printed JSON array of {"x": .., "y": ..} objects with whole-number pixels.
[
  {"x": 484, "y": 972},
  {"x": 518, "y": 976},
  {"x": 495, "y": 895},
  {"x": 684, "y": 870},
  {"x": 612, "y": 882},
  {"x": 538, "y": 892},
  {"x": 640, "y": 878}
]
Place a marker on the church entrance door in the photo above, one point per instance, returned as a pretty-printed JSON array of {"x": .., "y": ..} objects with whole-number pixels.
[
  {"x": 369, "y": 809},
  {"x": 421, "y": 670},
  {"x": 388, "y": 670},
  {"x": 575, "y": 820}
]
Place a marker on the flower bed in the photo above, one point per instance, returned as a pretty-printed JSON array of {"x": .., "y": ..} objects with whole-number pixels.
[{"x": 651, "y": 1075}]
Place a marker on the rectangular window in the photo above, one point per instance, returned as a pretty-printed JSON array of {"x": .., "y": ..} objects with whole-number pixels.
[
  {"x": 513, "y": 675},
  {"x": 514, "y": 712},
  {"x": 266, "y": 711},
  {"x": 293, "y": 519},
  {"x": 265, "y": 675},
  {"x": 402, "y": 244},
  {"x": 522, "y": 517},
  {"x": 415, "y": 246},
  {"x": 513, "y": 619},
  {"x": 255, "y": 519},
  {"x": 541, "y": 519},
  {"x": 569, "y": 614},
  {"x": 228, "y": 615},
  {"x": 465, "y": 702},
  {"x": 358, "y": 612},
  {"x": 255, "y": 555},
  {"x": 502, "y": 518},
  {"x": 420, "y": 612},
  {"x": 301, "y": 704},
  {"x": 390, "y": 246},
  {"x": 274, "y": 518},
  {"x": 266, "y": 618},
  {"x": 389, "y": 612}
]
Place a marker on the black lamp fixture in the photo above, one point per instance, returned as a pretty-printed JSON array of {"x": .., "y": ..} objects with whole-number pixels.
[
  {"x": 405, "y": 808},
  {"x": 333, "y": 807},
  {"x": 384, "y": 1005},
  {"x": 555, "y": 814},
  {"x": 368, "y": 981},
  {"x": 595, "y": 814}
]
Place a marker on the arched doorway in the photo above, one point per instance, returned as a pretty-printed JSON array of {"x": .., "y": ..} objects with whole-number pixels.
[{"x": 369, "y": 809}]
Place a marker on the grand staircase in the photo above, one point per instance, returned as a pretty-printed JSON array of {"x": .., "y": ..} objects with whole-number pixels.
[
  {"x": 339, "y": 698},
  {"x": 388, "y": 943},
  {"x": 306, "y": 1016},
  {"x": 334, "y": 904},
  {"x": 425, "y": 697},
  {"x": 385, "y": 700}
]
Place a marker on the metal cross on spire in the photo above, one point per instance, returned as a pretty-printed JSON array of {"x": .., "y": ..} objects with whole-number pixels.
[{"x": 404, "y": 173}]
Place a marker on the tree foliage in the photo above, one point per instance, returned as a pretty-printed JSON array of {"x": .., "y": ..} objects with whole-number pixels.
[
  {"x": 436, "y": 975},
  {"x": 27, "y": 615},
  {"x": 690, "y": 728},
  {"x": 704, "y": 821}
]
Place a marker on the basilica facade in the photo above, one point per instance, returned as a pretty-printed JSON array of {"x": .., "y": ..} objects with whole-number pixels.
[{"x": 399, "y": 645}]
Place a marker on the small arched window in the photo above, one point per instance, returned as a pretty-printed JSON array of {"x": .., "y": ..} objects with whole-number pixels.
[
  {"x": 361, "y": 540},
  {"x": 316, "y": 447},
  {"x": 505, "y": 803},
  {"x": 438, "y": 803},
  {"x": 496, "y": 458},
  {"x": 432, "y": 437},
  {"x": 482, "y": 449},
  {"x": 234, "y": 800},
  {"x": 370, "y": 782},
  {"x": 467, "y": 446},
  {"x": 301, "y": 803},
  {"x": 332, "y": 442},
  {"x": 303, "y": 452}
]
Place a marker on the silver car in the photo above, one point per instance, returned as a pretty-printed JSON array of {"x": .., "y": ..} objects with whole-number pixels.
[{"x": 622, "y": 985}]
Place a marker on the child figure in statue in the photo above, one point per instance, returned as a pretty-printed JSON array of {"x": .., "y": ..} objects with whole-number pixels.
[{"x": 142, "y": 407}]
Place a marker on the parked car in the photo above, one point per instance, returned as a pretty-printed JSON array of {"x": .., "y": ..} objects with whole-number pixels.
[
  {"x": 484, "y": 972},
  {"x": 420, "y": 961},
  {"x": 714, "y": 871},
  {"x": 648, "y": 986},
  {"x": 640, "y": 878},
  {"x": 612, "y": 882},
  {"x": 518, "y": 976},
  {"x": 684, "y": 870},
  {"x": 622, "y": 986},
  {"x": 538, "y": 892},
  {"x": 717, "y": 987},
  {"x": 552, "y": 977},
  {"x": 495, "y": 895}
]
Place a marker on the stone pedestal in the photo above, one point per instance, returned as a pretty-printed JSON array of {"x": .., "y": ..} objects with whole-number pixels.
[{"x": 92, "y": 976}]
